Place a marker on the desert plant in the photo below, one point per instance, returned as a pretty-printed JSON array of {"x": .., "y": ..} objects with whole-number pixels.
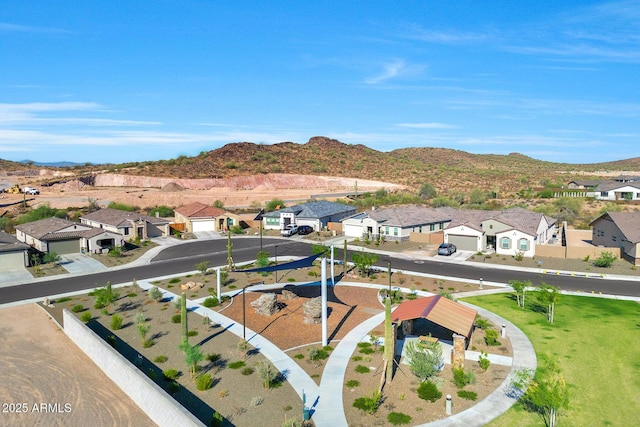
[
  {"x": 86, "y": 316},
  {"x": 202, "y": 267},
  {"x": 77, "y": 308},
  {"x": 368, "y": 404},
  {"x": 171, "y": 374},
  {"x": 204, "y": 382},
  {"x": 210, "y": 302},
  {"x": 236, "y": 365},
  {"x": 491, "y": 337},
  {"x": 139, "y": 318},
  {"x": 192, "y": 356},
  {"x": 116, "y": 322},
  {"x": 213, "y": 357},
  {"x": 398, "y": 418},
  {"x": 468, "y": 395},
  {"x": 257, "y": 400},
  {"x": 424, "y": 362},
  {"x": 484, "y": 361},
  {"x": 352, "y": 383},
  {"x": 160, "y": 359},
  {"x": 361, "y": 369},
  {"x": 461, "y": 377},
  {"x": 183, "y": 318},
  {"x": 155, "y": 294},
  {"x": 429, "y": 391},
  {"x": 267, "y": 373},
  {"x": 605, "y": 260},
  {"x": 105, "y": 296},
  {"x": 176, "y": 318},
  {"x": 247, "y": 370}
]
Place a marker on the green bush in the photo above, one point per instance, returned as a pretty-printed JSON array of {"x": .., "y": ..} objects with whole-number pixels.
[
  {"x": 361, "y": 369},
  {"x": 398, "y": 418},
  {"x": 213, "y": 357},
  {"x": 468, "y": 395},
  {"x": 484, "y": 361},
  {"x": 171, "y": 374},
  {"x": 175, "y": 280},
  {"x": 462, "y": 378},
  {"x": 173, "y": 387},
  {"x": 299, "y": 356},
  {"x": 429, "y": 391},
  {"x": 116, "y": 322},
  {"x": 491, "y": 337},
  {"x": 192, "y": 333},
  {"x": 86, "y": 316},
  {"x": 237, "y": 365},
  {"x": 77, "y": 308},
  {"x": 247, "y": 370},
  {"x": 63, "y": 299},
  {"x": 318, "y": 354},
  {"x": 606, "y": 260},
  {"x": 368, "y": 404},
  {"x": 160, "y": 359},
  {"x": 204, "y": 382},
  {"x": 176, "y": 318},
  {"x": 211, "y": 302},
  {"x": 352, "y": 383}
]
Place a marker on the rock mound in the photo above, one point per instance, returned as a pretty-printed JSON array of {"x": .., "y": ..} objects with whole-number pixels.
[{"x": 172, "y": 186}]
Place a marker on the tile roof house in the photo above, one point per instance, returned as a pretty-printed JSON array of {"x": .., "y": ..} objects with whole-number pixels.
[
  {"x": 510, "y": 232},
  {"x": 13, "y": 252},
  {"x": 396, "y": 223},
  {"x": 317, "y": 214},
  {"x": 130, "y": 225},
  {"x": 618, "y": 230},
  {"x": 617, "y": 190},
  {"x": 200, "y": 217},
  {"x": 63, "y": 236}
]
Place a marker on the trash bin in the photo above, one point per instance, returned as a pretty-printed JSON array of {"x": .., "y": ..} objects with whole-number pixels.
[{"x": 306, "y": 415}]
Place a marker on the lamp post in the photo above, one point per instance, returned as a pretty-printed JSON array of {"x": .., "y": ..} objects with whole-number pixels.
[{"x": 275, "y": 248}]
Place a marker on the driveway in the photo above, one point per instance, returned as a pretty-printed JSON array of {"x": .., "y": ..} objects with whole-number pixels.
[
  {"x": 12, "y": 274},
  {"x": 81, "y": 263}
]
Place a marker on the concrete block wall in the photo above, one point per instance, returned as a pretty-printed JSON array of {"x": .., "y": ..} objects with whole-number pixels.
[{"x": 159, "y": 406}]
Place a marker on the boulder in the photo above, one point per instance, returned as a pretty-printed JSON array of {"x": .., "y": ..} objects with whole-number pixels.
[
  {"x": 266, "y": 305},
  {"x": 312, "y": 311},
  {"x": 288, "y": 295}
]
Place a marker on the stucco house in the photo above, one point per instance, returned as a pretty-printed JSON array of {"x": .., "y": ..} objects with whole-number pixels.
[
  {"x": 616, "y": 191},
  {"x": 65, "y": 237},
  {"x": 130, "y": 225},
  {"x": 514, "y": 231},
  {"x": 13, "y": 252},
  {"x": 397, "y": 222},
  {"x": 200, "y": 217},
  {"x": 317, "y": 214},
  {"x": 618, "y": 230}
]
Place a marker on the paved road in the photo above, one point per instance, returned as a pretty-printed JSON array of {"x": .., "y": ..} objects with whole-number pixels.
[{"x": 182, "y": 258}]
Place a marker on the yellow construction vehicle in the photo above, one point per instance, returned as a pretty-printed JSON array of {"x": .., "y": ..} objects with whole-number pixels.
[{"x": 13, "y": 190}]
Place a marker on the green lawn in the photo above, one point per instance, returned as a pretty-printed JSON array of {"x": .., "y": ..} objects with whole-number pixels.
[{"x": 597, "y": 344}]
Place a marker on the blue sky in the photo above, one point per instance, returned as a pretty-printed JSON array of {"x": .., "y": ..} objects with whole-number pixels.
[{"x": 118, "y": 81}]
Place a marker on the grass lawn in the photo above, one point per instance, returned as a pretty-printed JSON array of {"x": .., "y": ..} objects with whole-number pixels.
[{"x": 596, "y": 342}]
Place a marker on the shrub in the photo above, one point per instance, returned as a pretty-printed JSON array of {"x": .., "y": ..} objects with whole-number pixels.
[
  {"x": 268, "y": 374},
  {"x": 175, "y": 280},
  {"x": 217, "y": 420},
  {"x": 462, "y": 378},
  {"x": 491, "y": 337},
  {"x": 192, "y": 333},
  {"x": 85, "y": 317},
  {"x": 256, "y": 401},
  {"x": 155, "y": 294},
  {"x": 213, "y": 357},
  {"x": 237, "y": 365},
  {"x": 367, "y": 350},
  {"x": 361, "y": 369},
  {"x": 63, "y": 299},
  {"x": 176, "y": 318},
  {"x": 299, "y": 356},
  {"x": 173, "y": 387},
  {"x": 116, "y": 322},
  {"x": 77, "y": 308},
  {"x": 204, "y": 382},
  {"x": 398, "y": 418},
  {"x": 171, "y": 374},
  {"x": 352, "y": 383},
  {"x": 468, "y": 395},
  {"x": 318, "y": 354},
  {"x": 484, "y": 361},
  {"x": 211, "y": 302},
  {"x": 429, "y": 391},
  {"x": 368, "y": 404},
  {"x": 160, "y": 359},
  {"x": 606, "y": 260},
  {"x": 247, "y": 371}
]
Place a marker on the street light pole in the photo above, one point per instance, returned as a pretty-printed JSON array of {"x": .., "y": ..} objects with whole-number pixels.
[
  {"x": 276, "y": 259},
  {"x": 244, "y": 318}
]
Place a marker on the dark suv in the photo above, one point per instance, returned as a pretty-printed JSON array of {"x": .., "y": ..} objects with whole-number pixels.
[
  {"x": 303, "y": 230},
  {"x": 446, "y": 249}
]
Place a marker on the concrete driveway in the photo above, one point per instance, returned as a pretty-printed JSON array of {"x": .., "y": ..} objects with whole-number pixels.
[
  {"x": 80, "y": 263},
  {"x": 12, "y": 274}
]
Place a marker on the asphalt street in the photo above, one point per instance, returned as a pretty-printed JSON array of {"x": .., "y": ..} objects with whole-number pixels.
[{"x": 183, "y": 258}]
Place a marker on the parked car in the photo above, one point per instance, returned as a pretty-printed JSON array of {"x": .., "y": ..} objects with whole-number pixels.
[
  {"x": 289, "y": 230},
  {"x": 303, "y": 230},
  {"x": 446, "y": 249},
  {"x": 31, "y": 190}
]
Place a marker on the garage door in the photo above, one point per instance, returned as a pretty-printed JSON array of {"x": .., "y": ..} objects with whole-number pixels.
[
  {"x": 464, "y": 243},
  {"x": 11, "y": 261},
  {"x": 62, "y": 247},
  {"x": 203, "y": 226}
]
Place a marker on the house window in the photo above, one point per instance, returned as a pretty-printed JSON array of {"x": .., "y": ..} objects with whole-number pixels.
[
  {"x": 126, "y": 231},
  {"x": 395, "y": 231},
  {"x": 505, "y": 243},
  {"x": 490, "y": 226},
  {"x": 614, "y": 238},
  {"x": 523, "y": 244},
  {"x": 604, "y": 194},
  {"x": 386, "y": 231}
]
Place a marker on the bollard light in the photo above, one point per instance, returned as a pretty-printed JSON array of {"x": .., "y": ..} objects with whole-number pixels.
[
  {"x": 448, "y": 404},
  {"x": 481, "y": 283}
]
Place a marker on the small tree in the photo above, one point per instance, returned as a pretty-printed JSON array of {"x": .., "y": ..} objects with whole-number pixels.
[
  {"x": 606, "y": 260},
  {"x": 520, "y": 288},
  {"x": 105, "y": 296},
  {"x": 267, "y": 373},
  {"x": 262, "y": 260},
  {"x": 547, "y": 393},
  {"x": 202, "y": 267},
  {"x": 549, "y": 296},
  {"x": 143, "y": 330},
  {"x": 192, "y": 356},
  {"x": 51, "y": 257},
  {"x": 424, "y": 362},
  {"x": 364, "y": 260}
]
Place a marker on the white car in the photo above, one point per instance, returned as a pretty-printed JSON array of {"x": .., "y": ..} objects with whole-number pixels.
[
  {"x": 289, "y": 230},
  {"x": 30, "y": 190}
]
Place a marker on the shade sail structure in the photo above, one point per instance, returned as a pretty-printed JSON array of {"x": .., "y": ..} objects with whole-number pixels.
[
  {"x": 437, "y": 309},
  {"x": 299, "y": 263}
]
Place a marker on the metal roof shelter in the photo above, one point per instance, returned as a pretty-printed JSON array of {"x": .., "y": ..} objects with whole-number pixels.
[{"x": 440, "y": 310}]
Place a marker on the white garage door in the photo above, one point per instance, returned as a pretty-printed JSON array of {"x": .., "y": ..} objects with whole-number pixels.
[
  {"x": 203, "y": 226},
  {"x": 464, "y": 243}
]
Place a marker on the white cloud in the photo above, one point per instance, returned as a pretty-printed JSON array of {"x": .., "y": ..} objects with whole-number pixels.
[{"x": 15, "y": 28}]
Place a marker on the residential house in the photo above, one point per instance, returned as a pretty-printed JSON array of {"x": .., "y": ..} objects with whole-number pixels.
[
  {"x": 618, "y": 230},
  {"x": 64, "y": 237},
  {"x": 317, "y": 214},
  {"x": 618, "y": 190},
  {"x": 130, "y": 225},
  {"x": 514, "y": 231},
  {"x": 396, "y": 223},
  {"x": 200, "y": 217},
  {"x": 13, "y": 252}
]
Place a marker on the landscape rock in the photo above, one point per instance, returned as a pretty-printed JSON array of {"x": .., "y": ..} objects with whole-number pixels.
[
  {"x": 312, "y": 311},
  {"x": 266, "y": 305},
  {"x": 288, "y": 295}
]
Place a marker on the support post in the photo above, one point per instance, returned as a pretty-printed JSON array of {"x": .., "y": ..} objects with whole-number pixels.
[
  {"x": 323, "y": 270},
  {"x": 333, "y": 274},
  {"x": 218, "y": 284},
  {"x": 244, "y": 317}
]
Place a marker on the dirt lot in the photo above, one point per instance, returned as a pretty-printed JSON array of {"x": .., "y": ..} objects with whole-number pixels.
[{"x": 47, "y": 380}]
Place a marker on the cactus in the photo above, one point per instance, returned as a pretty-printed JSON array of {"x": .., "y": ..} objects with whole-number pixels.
[{"x": 183, "y": 314}]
